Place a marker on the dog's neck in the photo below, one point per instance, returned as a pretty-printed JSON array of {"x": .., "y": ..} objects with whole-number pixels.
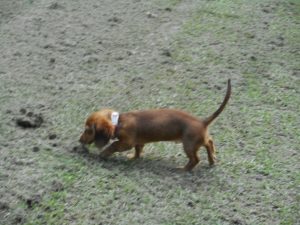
[
  {"x": 115, "y": 121},
  {"x": 115, "y": 118}
]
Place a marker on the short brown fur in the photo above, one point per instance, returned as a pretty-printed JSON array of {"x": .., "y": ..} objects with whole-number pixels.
[{"x": 137, "y": 128}]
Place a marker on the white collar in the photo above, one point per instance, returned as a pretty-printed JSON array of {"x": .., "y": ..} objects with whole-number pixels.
[{"x": 115, "y": 118}]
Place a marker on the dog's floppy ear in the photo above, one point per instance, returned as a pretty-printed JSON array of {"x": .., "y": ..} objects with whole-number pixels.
[
  {"x": 93, "y": 129},
  {"x": 104, "y": 126},
  {"x": 89, "y": 135}
]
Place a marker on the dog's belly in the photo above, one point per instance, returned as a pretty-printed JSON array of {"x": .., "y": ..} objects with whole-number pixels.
[{"x": 144, "y": 140}]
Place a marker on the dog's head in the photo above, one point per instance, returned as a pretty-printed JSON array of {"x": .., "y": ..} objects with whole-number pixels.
[{"x": 98, "y": 129}]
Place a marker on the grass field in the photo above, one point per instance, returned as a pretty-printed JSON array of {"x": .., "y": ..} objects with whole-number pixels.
[{"x": 63, "y": 60}]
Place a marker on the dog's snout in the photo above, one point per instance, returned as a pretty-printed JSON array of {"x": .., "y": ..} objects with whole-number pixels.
[
  {"x": 84, "y": 139},
  {"x": 81, "y": 139}
]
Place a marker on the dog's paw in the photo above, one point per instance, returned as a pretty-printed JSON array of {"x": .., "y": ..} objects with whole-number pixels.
[
  {"x": 181, "y": 169},
  {"x": 212, "y": 162},
  {"x": 132, "y": 156}
]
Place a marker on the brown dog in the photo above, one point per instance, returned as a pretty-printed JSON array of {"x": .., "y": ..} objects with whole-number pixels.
[{"x": 135, "y": 129}]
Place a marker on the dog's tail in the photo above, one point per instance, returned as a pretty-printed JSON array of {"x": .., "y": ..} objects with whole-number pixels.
[{"x": 211, "y": 118}]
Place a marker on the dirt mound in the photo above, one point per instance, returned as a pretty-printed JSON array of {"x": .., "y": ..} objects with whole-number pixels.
[{"x": 30, "y": 120}]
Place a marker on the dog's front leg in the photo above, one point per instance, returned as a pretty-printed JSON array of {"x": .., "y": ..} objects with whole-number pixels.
[
  {"x": 116, "y": 146},
  {"x": 137, "y": 153}
]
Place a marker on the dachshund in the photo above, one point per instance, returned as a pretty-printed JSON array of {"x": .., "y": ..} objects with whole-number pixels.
[{"x": 137, "y": 128}]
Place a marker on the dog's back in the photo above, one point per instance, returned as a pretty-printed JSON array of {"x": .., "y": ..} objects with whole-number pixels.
[{"x": 159, "y": 124}]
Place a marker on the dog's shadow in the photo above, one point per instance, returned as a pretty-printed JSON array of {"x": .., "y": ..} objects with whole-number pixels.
[{"x": 201, "y": 176}]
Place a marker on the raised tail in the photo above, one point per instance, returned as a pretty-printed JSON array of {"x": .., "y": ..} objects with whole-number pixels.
[{"x": 211, "y": 118}]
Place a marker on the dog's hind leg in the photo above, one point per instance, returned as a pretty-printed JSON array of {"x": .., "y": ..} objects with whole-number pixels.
[
  {"x": 211, "y": 152},
  {"x": 191, "y": 152}
]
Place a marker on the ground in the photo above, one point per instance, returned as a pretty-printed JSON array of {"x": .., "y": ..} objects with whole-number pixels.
[{"x": 61, "y": 60}]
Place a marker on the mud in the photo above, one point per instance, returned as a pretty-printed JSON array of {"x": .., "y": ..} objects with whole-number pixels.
[{"x": 61, "y": 60}]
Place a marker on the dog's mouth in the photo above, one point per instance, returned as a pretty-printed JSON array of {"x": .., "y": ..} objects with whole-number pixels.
[
  {"x": 84, "y": 142},
  {"x": 100, "y": 140},
  {"x": 101, "y": 144},
  {"x": 90, "y": 142}
]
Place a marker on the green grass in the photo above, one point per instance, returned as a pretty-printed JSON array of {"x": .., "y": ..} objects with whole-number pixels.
[{"x": 257, "y": 177}]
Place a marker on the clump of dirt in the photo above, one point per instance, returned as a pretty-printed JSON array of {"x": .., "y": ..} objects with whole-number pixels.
[
  {"x": 35, "y": 149},
  {"x": 80, "y": 149},
  {"x": 115, "y": 20},
  {"x": 33, "y": 200},
  {"x": 52, "y": 136},
  {"x": 4, "y": 206},
  {"x": 19, "y": 216},
  {"x": 57, "y": 186},
  {"x": 55, "y": 6},
  {"x": 29, "y": 119}
]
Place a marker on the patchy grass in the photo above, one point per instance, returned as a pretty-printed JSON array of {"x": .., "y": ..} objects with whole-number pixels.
[
  {"x": 167, "y": 4},
  {"x": 256, "y": 180}
]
